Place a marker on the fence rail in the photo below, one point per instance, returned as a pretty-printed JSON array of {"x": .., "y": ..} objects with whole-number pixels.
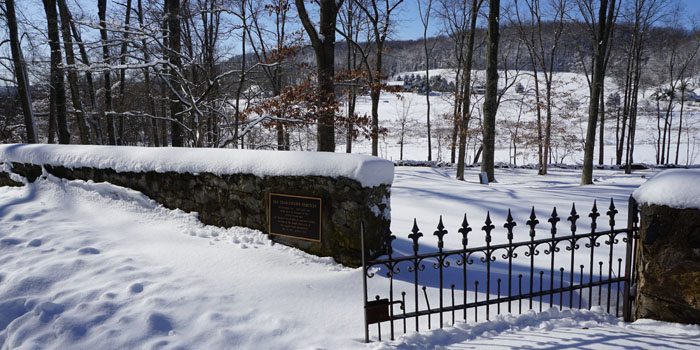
[{"x": 527, "y": 286}]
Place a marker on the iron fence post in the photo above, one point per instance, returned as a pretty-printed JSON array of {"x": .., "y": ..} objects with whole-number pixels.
[
  {"x": 364, "y": 279},
  {"x": 626, "y": 302}
]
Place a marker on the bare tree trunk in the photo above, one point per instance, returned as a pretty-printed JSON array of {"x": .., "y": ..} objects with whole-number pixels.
[
  {"x": 241, "y": 80},
  {"x": 20, "y": 70},
  {"x": 191, "y": 74},
  {"x": 456, "y": 113},
  {"x": 147, "y": 79},
  {"x": 601, "y": 146},
  {"x": 352, "y": 95},
  {"x": 540, "y": 138},
  {"x": 425, "y": 19},
  {"x": 680, "y": 120},
  {"x": 52, "y": 119},
  {"x": 280, "y": 137},
  {"x": 352, "y": 99},
  {"x": 379, "y": 23},
  {"x": 173, "y": 13},
  {"x": 658, "y": 131},
  {"x": 164, "y": 91},
  {"x": 629, "y": 156},
  {"x": 323, "y": 43},
  {"x": 669, "y": 111},
  {"x": 477, "y": 156},
  {"x": 466, "y": 97},
  {"x": 668, "y": 146},
  {"x": 83, "y": 127},
  {"x": 491, "y": 98},
  {"x": 102, "y": 13},
  {"x": 547, "y": 124},
  {"x": 627, "y": 100},
  {"x": 57, "y": 88},
  {"x": 95, "y": 120},
  {"x": 374, "y": 98},
  {"x": 603, "y": 28},
  {"x": 122, "y": 73}
]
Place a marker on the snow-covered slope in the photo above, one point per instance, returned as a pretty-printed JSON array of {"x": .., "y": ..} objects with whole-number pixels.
[
  {"x": 516, "y": 120},
  {"x": 94, "y": 266}
]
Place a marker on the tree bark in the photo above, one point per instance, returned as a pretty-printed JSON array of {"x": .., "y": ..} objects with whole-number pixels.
[
  {"x": 83, "y": 127},
  {"x": 20, "y": 70},
  {"x": 600, "y": 37},
  {"x": 147, "y": 79},
  {"x": 102, "y": 13},
  {"x": 173, "y": 15},
  {"x": 241, "y": 79},
  {"x": 466, "y": 81},
  {"x": 425, "y": 18},
  {"x": 95, "y": 120},
  {"x": 323, "y": 43},
  {"x": 491, "y": 97},
  {"x": 58, "y": 91},
  {"x": 601, "y": 146},
  {"x": 680, "y": 120},
  {"x": 122, "y": 72},
  {"x": 351, "y": 57}
]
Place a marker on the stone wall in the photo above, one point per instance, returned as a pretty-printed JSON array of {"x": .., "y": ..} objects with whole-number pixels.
[
  {"x": 242, "y": 200},
  {"x": 668, "y": 265}
]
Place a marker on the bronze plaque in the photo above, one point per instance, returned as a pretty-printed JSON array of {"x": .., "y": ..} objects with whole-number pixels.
[{"x": 295, "y": 216}]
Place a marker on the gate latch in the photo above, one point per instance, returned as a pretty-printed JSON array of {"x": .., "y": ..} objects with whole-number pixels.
[{"x": 378, "y": 310}]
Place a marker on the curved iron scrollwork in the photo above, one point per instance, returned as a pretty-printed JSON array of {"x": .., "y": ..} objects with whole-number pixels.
[{"x": 465, "y": 259}]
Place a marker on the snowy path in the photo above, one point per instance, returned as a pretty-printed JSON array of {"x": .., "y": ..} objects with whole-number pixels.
[{"x": 95, "y": 266}]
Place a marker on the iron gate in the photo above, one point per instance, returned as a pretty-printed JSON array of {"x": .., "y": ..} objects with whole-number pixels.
[{"x": 522, "y": 282}]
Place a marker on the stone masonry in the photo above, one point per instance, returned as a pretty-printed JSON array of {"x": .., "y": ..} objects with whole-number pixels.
[
  {"x": 668, "y": 265},
  {"x": 241, "y": 200}
]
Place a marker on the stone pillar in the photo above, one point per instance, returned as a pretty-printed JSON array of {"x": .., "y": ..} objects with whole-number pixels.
[{"x": 668, "y": 265}]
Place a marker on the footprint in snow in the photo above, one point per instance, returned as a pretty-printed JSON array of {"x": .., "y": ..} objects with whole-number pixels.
[
  {"x": 136, "y": 288},
  {"x": 159, "y": 323},
  {"x": 11, "y": 310},
  {"x": 34, "y": 243},
  {"x": 48, "y": 310},
  {"x": 9, "y": 241},
  {"x": 160, "y": 345},
  {"x": 88, "y": 250}
]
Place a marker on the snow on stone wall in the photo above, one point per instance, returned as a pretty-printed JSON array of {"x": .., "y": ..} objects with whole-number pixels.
[
  {"x": 676, "y": 188},
  {"x": 230, "y": 187},
  {"x": 368, "y": 171}
]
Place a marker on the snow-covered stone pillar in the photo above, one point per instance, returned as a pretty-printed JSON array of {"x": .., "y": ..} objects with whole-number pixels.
[{"x": 668, "y": 251}]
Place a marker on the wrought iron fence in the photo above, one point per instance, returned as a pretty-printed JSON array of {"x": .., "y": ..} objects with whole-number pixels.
[{"x": 522, "y": 282}]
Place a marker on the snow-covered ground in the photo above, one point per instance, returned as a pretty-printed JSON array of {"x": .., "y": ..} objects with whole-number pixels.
[
  {"x": 95, "y": 266},
  {"x": 570, "y": 105}
]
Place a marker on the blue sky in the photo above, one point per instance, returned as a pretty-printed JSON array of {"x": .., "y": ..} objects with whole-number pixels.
[{"x": 412, "y": 28}]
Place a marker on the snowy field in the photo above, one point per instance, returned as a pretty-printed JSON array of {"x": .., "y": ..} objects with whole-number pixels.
[
  {"x": 95, "y": 266},
  {"x": 569, "y": 120}
]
